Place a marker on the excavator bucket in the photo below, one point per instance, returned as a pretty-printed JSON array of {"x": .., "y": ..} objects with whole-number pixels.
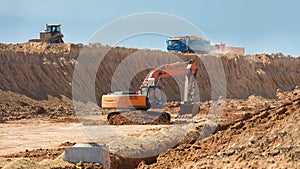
[{"x": 187, "y": 111}]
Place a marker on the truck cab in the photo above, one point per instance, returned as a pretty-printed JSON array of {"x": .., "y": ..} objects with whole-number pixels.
[
  {"x": 188, "y": 44},
  {"x": 178, "y": 45}
]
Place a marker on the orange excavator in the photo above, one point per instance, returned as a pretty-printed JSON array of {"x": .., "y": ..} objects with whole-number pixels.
[{"x": 146, "y": 96}]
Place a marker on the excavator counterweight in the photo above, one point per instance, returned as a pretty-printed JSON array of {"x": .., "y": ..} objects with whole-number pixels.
[{"x": 126, "y": 101}]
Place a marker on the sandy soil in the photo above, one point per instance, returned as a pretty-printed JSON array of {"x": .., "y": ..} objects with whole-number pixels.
[
  {"x": 32, "y": 135},
  {"x": 258, "y": 126},
  {"x": 253, "y": 132},
  {"x": 267, "y": 138}
]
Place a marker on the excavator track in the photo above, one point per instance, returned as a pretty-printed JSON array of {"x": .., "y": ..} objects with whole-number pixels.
[{"x": 138, "y": 117}]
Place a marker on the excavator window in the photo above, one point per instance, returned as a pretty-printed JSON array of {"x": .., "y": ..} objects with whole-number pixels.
[{"x": 144, "y": 90}]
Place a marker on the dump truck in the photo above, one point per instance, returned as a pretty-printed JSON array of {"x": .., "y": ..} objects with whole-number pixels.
[
  {"x": 189, "y": 44},
  {"x": 146, "y": 96},
  {"x": 194, "y": 44},
  {"x": 52, "y": 34}
]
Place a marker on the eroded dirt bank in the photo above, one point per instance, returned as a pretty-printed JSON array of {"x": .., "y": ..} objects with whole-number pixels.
[
  {"x": 39, "y": 69},
  {"x": 258, "y": 127}
]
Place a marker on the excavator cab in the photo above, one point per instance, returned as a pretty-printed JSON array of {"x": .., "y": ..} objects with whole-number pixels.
[{"x": 156, "y": 97}]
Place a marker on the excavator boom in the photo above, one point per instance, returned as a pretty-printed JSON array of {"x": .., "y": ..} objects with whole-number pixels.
[{"x": 168, "y": 70}]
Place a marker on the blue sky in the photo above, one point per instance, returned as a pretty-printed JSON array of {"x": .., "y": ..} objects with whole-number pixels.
[{"x": 261, "y": 26}]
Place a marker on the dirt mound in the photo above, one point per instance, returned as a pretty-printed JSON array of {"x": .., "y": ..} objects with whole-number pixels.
[
  {"x": 138, "y": 117},
  {"x": 37, "y": 47},
  {"x": 269, "y": 137},
  {"x": 15, "y": 106}
]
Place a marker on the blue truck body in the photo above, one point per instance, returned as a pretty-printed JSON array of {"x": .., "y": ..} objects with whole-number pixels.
[{"x": 189, "y": 44}]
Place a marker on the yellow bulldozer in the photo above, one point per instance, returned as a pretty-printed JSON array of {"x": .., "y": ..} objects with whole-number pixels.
[{"x": 52, "y": 34}]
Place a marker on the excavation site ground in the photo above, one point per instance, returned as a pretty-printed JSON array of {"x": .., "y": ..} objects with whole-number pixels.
[{"x": 258, "y": 126}]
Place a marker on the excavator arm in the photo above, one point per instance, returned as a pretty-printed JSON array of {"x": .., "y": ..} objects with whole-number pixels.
[
  {"x": 168, "y": 70},
  {"x": 174, "y": 69}
]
